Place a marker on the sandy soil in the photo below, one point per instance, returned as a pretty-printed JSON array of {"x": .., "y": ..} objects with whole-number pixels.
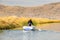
[{"x": 52, "y": 27}]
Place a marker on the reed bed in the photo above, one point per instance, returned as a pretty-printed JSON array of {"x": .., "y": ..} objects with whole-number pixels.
[{"x": 13, "y": 22}]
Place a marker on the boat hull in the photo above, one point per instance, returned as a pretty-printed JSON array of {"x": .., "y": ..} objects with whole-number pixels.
[{"x": 29, "y": 28}]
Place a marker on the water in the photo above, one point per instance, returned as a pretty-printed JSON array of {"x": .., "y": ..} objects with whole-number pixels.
[{"x": 30, "y": 35}]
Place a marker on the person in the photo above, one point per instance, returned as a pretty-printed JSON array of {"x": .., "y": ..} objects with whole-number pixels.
[{"x": 30, "y": 22}]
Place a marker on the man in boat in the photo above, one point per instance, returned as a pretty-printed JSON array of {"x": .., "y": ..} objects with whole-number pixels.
[
  {"x": 30, "y": 22},
  {"x": 29, "y": 27}
]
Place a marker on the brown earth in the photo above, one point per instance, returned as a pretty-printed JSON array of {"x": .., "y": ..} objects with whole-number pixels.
[
  {"x": 51, "y": 11},
  {"x": 52, "y": 27}
]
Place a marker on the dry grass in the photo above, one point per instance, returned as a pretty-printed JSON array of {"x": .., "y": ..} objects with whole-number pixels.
[{"x": 13, "y": 22}]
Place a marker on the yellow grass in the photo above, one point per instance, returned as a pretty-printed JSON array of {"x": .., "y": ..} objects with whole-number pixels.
[{"x": 13, "y": 22}]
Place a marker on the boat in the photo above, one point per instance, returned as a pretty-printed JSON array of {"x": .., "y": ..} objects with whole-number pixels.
[{"x": 29, "y": 28}]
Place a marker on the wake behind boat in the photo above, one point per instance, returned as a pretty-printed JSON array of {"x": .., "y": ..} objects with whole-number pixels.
[{"x": 30, "y": 28}]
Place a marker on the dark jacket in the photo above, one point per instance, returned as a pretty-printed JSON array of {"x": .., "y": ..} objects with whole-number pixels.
[{"x": 30, "y": 22}]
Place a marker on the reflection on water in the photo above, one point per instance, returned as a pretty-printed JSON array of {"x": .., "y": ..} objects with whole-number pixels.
[{"x": 31, "y": 35}]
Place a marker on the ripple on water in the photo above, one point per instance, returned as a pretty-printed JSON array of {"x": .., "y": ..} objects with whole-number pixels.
[{"x": 31, "y": 35}]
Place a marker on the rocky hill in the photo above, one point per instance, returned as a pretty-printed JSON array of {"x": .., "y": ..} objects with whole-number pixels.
[{"x": 51, "y": 11}]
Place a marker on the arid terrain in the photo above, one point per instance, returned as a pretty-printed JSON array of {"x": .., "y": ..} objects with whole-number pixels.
[{"x": 50, "y": 11}]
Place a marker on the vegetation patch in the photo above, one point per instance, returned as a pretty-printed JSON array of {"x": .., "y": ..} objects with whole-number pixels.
[{"x": 13, "y": 22}]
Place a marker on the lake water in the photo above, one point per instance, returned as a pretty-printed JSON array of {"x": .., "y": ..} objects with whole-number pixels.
[{"x": 30, "y": 35}]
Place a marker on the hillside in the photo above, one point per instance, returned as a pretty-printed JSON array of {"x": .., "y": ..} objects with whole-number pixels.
[{"x": 51, "y": 11}]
